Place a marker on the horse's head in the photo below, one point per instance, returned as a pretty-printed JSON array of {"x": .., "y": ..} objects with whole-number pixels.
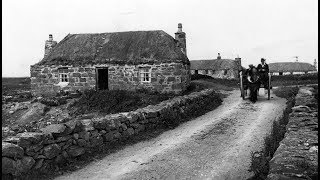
[{"x": 254, "y": 75}]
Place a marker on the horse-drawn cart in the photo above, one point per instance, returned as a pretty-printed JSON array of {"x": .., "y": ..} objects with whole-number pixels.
[{"x": 245, "y": 84}]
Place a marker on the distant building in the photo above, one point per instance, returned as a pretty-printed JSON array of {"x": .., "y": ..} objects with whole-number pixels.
[
  {"x": 131, "y": 60},
  {"x": 217, "y": 68},
  {"x": 285, "y": 68}
]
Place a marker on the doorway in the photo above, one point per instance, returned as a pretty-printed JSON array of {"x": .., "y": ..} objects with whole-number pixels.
[{"x": 102, "y": 78}]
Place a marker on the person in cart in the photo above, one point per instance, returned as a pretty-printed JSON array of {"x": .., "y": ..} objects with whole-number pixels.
[{"x": 263, "y": 70}]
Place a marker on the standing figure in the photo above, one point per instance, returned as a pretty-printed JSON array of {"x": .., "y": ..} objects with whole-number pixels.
[{"x": 263, "y": 69}]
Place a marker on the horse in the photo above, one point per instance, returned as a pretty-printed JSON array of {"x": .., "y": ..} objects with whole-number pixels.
[{"x": 254, "y": 83}]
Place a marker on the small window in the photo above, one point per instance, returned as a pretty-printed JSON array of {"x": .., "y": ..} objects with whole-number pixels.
[
  {"x": 145, "y": 74},
  {"x": 225, "y": 72},
  {"x": 76, "y": 79},
  {"x": 63, "y": 77}
]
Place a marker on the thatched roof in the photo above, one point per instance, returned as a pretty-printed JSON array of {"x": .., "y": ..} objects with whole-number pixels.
[
  {"x": 132, "y": 47},
  {"x": 213, "y": 64},
  {"x": 291, "y": 67}
]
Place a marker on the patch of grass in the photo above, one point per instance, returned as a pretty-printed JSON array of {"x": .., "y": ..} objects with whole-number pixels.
[
  {"x": 214, "y": 83},
  {"x": 115, "y": 101},
  {"x": 297, "y": 79},
  {"x": 18, "y": 88},
  {"x": 286, "y": 92},
  {"x": 260, "y": 160}
]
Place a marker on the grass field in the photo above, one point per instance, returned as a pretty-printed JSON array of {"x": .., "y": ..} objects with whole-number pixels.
[{"x": 10, "y": 86}]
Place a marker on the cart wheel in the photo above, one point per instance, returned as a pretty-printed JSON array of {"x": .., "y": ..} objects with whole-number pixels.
[
  {"x": 269, "y": 85},
  {"x": 243, "y": 94},
  {"x": 241, "y": 86}
]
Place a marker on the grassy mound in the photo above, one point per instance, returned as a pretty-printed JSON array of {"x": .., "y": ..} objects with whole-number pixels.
[{"x": 114, "y": 101}]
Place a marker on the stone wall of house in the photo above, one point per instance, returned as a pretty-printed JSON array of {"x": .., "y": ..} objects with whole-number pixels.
[
  {"x": 165, "y": 77},
  {"x": 45, "y": 79},
  {"x": 220, "y": 74},
  {"x": 56, "y": 143},
  {"x": 297, "y": 155}
]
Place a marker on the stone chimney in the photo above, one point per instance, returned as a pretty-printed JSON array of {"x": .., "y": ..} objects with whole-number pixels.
[
  {"x": 180, "y": 38},
  {"x": 238, "y": 61},
  {"x": 49, "y": 44},
  {"x": 218, "y": 57}
]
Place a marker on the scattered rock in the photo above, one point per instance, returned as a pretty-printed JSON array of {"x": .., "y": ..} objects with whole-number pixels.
[
  {"x": 75, "y": 151},
  {"x": 82, "y": 142},
  {"x": 51, "y": 151},
  {"x": 100, "y": 123},
  {"x": 9, "y": 166},
  {"x": 108, "y": 136},
  {"x": 25, "y": 164},
  {"x": 87, "y": 124},
  {"x": 75, "y": 126},
  {"x": 64, "y": 138},
  {"x": 128, "y": 132},
  {"x": 28, "y": 138},
  {"x": 96, "y": 141},
  {"x": 76, "y": 136},
  {"x": 55, "y": 129},
  {"x": 124, "y": 127},
  {"x": 31, "y": 150},
  {"x": 117, "y": 135},
  {"x": 39, "y": 163},
  {"x": 60, "y": 159},
  {"x": 301, "y": 109}
]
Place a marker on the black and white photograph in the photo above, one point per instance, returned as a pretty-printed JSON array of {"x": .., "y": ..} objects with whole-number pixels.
[{"x": 159, "y": 89}]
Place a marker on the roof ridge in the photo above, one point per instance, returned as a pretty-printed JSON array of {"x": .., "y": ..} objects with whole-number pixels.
[{"x": 115, "y": 32}]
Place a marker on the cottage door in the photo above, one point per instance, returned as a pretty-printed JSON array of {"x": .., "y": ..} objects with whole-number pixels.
[{"x": 102, "y": 78}]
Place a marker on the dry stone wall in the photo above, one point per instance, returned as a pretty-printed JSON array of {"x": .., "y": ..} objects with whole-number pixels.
[
  {"x": 220, "y": 74},
  {"x": 297, "y": 154},
  {"x": 165, "y": 77},
  {"x": 56, "y": 143}
]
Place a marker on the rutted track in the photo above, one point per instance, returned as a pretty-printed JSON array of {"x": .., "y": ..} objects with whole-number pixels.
[{"x": 216, "y": 145}]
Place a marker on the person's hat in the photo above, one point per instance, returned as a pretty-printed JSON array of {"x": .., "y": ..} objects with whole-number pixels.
[{"x": 262, "y": 59}]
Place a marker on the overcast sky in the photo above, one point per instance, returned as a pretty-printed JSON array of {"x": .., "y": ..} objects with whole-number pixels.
[{"x": 275, "y": 29}]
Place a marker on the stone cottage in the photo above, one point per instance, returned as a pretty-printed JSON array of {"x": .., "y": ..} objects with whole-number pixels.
[
  {"x": 217, "y": 68},
  {"x": 121, "y": 60},
  {"x": 286, "y": 68}
]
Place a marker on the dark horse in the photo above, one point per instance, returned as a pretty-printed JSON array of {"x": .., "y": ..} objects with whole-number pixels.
[{"x": 253, "y": 82}]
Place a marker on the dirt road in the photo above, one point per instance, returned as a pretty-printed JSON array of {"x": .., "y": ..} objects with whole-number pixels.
[{"x": 215, "y": 146}]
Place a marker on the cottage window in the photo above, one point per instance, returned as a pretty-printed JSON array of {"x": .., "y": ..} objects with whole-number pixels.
[
  {"x": 225, "y": 72},
  {"x": 145, "y": 74},
  {"x": 64, "y": 77}
]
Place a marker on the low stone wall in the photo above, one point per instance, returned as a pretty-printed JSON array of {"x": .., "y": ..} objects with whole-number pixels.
[
  {"x": 297, "y": 154},
  {"x": 37, "y": 151}
]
